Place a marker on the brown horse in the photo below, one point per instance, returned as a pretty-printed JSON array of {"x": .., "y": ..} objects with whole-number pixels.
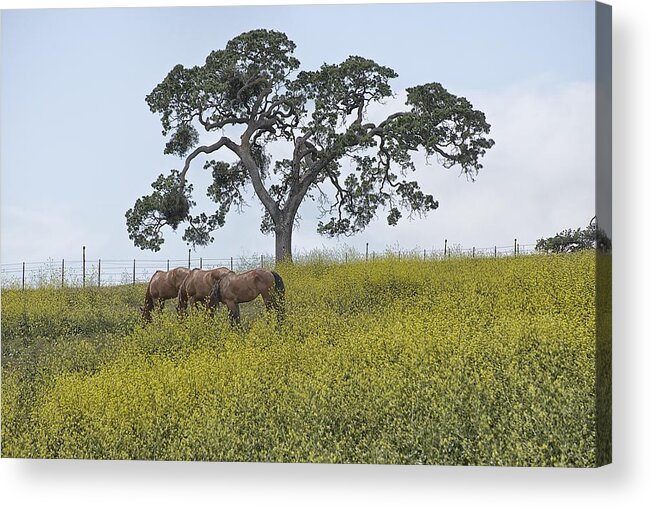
[
  {"x": 197, "y": 286},
  {"x": 233, "y": 288},
  {"x": 163, "y": 285}
]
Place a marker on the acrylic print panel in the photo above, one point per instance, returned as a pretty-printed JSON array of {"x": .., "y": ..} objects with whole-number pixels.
[{"x": 382, "y": 234}]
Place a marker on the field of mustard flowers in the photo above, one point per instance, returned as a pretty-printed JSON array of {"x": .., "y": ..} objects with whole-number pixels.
[{"x": 457, "y": 362}]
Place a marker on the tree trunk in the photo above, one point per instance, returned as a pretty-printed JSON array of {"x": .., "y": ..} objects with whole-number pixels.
[{"x": 284, "y": 243}]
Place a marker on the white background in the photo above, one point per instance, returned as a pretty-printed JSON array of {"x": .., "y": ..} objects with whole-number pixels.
[{"x": 626, "y": 482}]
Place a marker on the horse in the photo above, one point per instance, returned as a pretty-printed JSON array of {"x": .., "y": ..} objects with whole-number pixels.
[
  {"x": 233, "y": 288},
  {"x": 163, "y": 285},
  {"x": 197, "y": 286}
]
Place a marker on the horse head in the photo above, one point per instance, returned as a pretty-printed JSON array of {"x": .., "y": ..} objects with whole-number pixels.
[{"x": 146, "y": 314}]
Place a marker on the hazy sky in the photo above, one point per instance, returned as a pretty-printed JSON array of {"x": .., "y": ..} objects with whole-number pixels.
[{"x": 79, "y": 145}]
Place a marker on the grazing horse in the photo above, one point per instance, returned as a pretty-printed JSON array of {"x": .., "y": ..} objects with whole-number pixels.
[
  {"x": 162, "y": 286},
  {"x": 233, "y": 288},
  {"x": 197, "y": 286}
]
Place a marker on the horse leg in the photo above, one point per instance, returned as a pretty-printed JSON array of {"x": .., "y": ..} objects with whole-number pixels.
[
  {"x": 212, "y": 306},
  {"x": 183, "y": 302},
  {"x": 190, "y": 303},
  {"x": 234, "y": 311},
  {"x": 237, "y": 314},
  {"x": 204, "y": 303},
  {"x": 268, "y": 300}
]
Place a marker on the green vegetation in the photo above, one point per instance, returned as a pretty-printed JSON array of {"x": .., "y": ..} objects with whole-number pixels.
[
  {"x": 463, "y": 361},
  {"x": 254, "y": 82},
  {"x": 570, "y": 241}
]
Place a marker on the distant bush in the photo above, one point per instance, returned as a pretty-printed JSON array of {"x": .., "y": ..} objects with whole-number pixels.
[{"x": 570, "y": 240}]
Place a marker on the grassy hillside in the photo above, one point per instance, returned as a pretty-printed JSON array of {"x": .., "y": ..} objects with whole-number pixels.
[{"x": 462, "y": 361}]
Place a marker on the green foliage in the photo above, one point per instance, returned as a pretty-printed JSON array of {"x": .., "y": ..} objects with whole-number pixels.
[
  {"x": 169, "y": 204},
  {"x": 463, "y": 361},
  {"x": 570, "y": 240},
  {"x": 227, "y": 85},
  {"x": 182, "y": 140},
  {"x": 340, "y": 90},
  {"x": 254, "y": 84},
  {"x": 447, "y": 126}
]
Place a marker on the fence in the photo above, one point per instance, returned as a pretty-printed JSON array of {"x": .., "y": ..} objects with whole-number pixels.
[{"x": 101, "y": 272}]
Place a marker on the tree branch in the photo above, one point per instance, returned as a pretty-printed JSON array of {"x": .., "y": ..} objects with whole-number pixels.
[
  {"x": 232, "y": 120},
  {"x": 244, "y": 152},
  {"x": 373, "y": 130},
  {"x": 224, "y": 141}
]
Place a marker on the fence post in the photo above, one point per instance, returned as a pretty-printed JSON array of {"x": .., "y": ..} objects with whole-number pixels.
[
  {"x": 23, "y": 275},
  {"x": 134, "y": 271},
  {"x": 515, "y": 246},
  {"x": 366, "y": 252},
  {"x": 168, "y": 264},
  {"x": 473, "y": 252},
  {"x": 424, "y": 254},
  {"x": 231, "y": 263},
  {"x": 262, "y": 261},
  {"x": 63, "y": 271},
  {"x": 189, "y": 250},
  {"x": 83, "y": 264},
  {"x": 200, "y": 262},
  {"x": 398, "y": 255},
  {"x": 99, "y": 272},
  {"x": 445, "y": 248},
  {"x": 496, "y": 251}
]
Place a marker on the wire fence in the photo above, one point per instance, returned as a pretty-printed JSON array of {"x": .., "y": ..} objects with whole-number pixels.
[{"x": 104, "y": 272}]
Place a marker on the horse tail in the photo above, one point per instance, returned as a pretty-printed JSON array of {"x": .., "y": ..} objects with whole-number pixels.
[
  {"x": 149, "y": 304},
  {"x": 279, "y": 284},
  {"x": 278, "y": 295},
  {"x": 215, "y": 294},
  {"x": 182, "y": 303}
]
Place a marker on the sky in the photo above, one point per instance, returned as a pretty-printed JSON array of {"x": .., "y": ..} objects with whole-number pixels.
[{"x": 79, "y": 144}]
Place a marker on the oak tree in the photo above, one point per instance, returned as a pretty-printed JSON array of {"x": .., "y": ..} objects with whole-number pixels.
[{"x": 251, "y": 96}]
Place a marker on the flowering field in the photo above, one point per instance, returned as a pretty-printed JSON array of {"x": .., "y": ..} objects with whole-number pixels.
[{"x": 462, "y": 361}]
